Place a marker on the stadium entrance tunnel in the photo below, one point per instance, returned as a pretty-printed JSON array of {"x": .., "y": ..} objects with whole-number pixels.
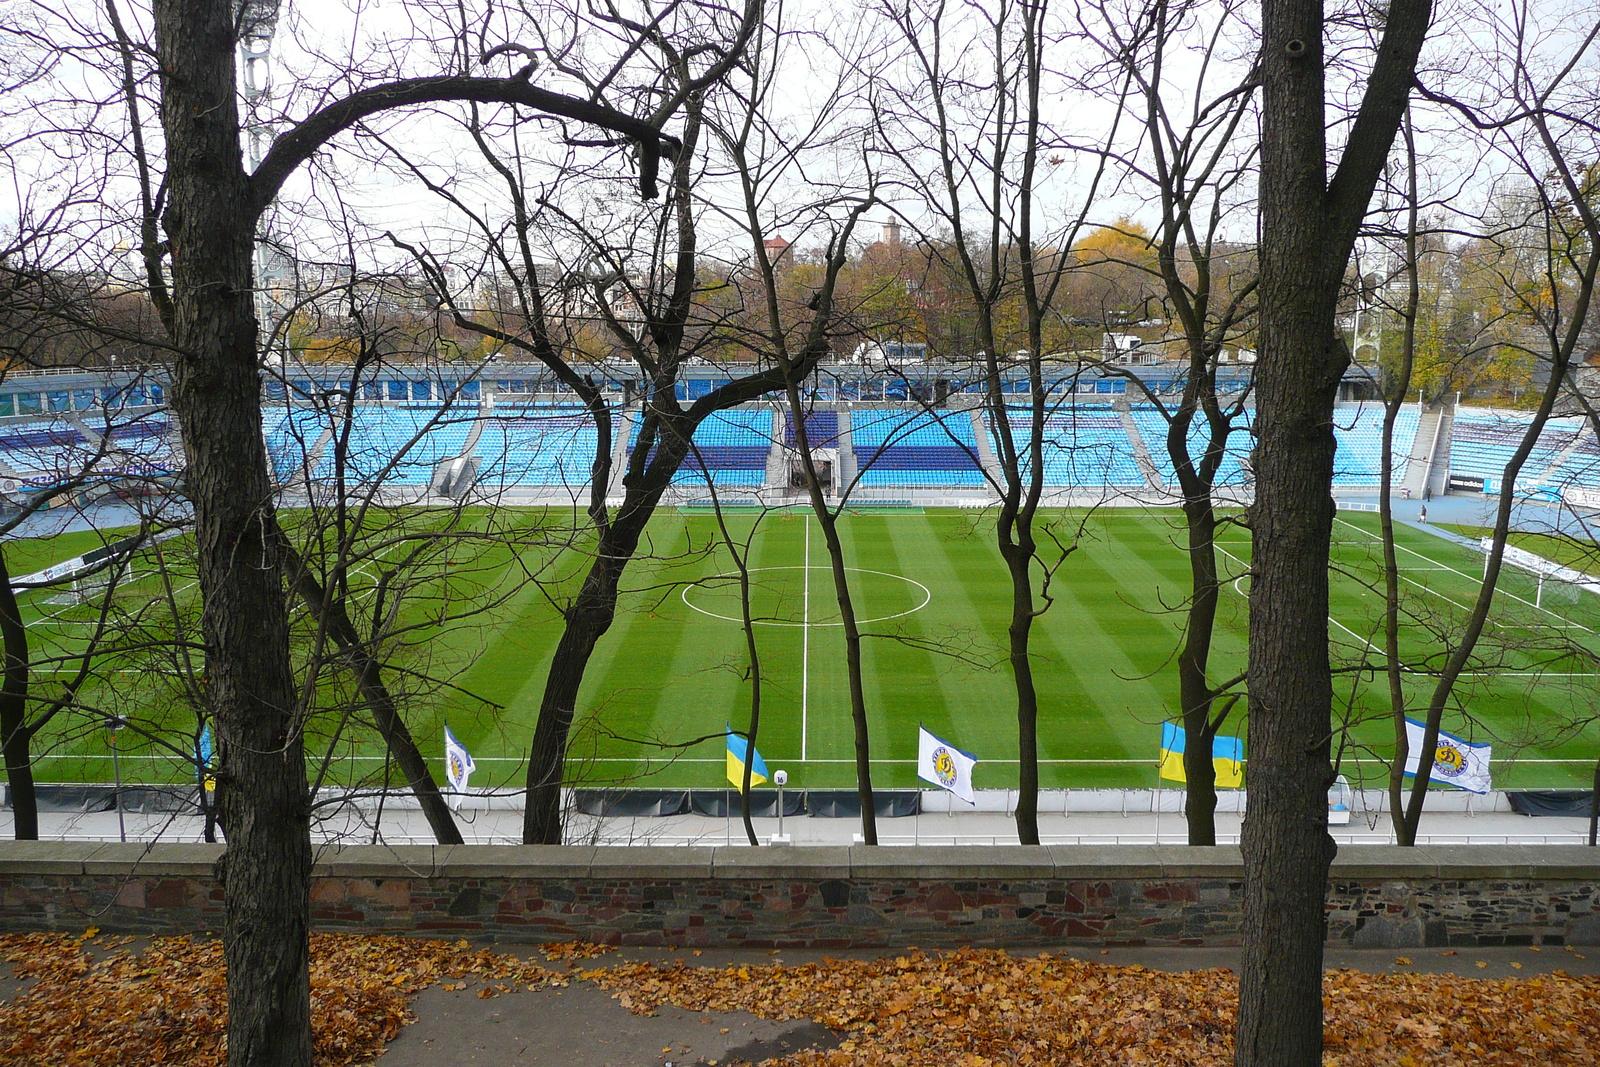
[{"x": 803, "y": 596}]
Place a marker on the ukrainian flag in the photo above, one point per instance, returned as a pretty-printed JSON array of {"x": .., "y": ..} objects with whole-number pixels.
[
  {"x": 1227, "y": 756},
  {"x": 737, "y": 749}
]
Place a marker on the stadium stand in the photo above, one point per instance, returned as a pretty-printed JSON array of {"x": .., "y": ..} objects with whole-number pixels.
[
  {"x": 1152, "y": 427},
  {"x": 396, "y": 446},
  {"x": 44, "y": 454},
  {"x": 537, "y": 446},
  {"x": 517, "y": 442},
  {"x": 1085, "y": 446},
  {"x": 915, "y": 449},
  {"x": 822, "y": 429},
  {"x": 1483, "y": 443},
  {"x": 1359, "y": 432},
  {"x": 732, "y": 447}
]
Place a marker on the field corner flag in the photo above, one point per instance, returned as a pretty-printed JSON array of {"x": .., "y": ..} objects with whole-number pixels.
[
  {"x": 738, "y": 747},
  {"x": 1227, "y": 757},
  {"x": 945, "y": 765},
  {"x": 458, "y": 765}
]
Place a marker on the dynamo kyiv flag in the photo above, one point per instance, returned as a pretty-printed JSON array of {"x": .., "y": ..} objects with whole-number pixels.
[
  {"x": 945, "y": 765},
  {"x": 1455, "y": 762},
  {"x": 1227, "y": 756},
  {"x": 458, "y": 765},
  {"x": 737, "y": 749}
]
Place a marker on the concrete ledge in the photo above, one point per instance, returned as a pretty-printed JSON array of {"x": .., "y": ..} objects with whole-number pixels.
[
  {"x": 943, "y": 862},
  {"x": 1099, "y": 862},
  {"x": 781, "y": 864},
  {"x": 46, "y": 857},
  {"x": 825, "y": 897},
  {"x": 519, "y": 861},
  {"x": 188, "y": 860},
  {"x": 645, "y": 861},
  {"x": 380, "y": 861},
  {"x": 952, "y": 862}
]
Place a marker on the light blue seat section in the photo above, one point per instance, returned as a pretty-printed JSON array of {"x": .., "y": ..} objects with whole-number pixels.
[
  {"x": 1483, "y": 442},
  {"x": 734, "y": 445},
  {"x": 537, "y": 446},
  {"x": 49, "y": 451},
  {"x": 1359, "y": 433},
  {"x": 390, "y": 446},
  {"x": 1084, "y": 446}
]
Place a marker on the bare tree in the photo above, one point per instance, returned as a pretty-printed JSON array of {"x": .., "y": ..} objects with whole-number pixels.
[
  {"x": 189, "y": 180},
  {"x": 1309, "y": 224},
  {"x": 1553, "y": 258},
  {"x": 975, "y": 152},
  {"x": 1199, "y": 171}
]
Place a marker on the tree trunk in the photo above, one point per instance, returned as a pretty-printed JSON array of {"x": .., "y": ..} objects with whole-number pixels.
[
  {"x": 1194, "y": 689},
  {"x": 262, "y": 789},
  {"x": 386, "y": 715},
  {"x": 587, "y": 620},
  {"x": 1308, "y": 229},
  {"x": 1287, "y": 849},
  {"x": 1019, "y": 562},
  {"x": 14, "y": 733},
  {"x": 847, "y": 615},
  {"x": 1286, "y": 845}
]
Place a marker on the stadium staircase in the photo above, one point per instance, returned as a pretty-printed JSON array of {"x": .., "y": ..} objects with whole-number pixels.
[
  {"x": 621, "y": 435},
  {"x": 1141, "y": 454},
  {"x": 453, "y": 477},
  {"x": 1579, "y": 441},
  {"x": 301, "y": 475},
  {"x": 89, "y": 435},
  {"x": 986, "y": 456},
  {"x": 1433, "y": 433},
  {"x": 777, "y": 455},
  {"x": 845, "y": 476}
]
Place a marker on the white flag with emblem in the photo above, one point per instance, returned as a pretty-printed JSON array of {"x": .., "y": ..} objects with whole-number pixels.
[
  {"x": 458, "y": 765},
  {"x": 945, "y": 765},
  {"x": 1455, "y": 762}
]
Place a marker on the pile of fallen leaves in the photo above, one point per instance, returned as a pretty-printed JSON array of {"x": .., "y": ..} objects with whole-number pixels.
[
  {"x": 976, "y": 1007},
  {"x": 93, "y": 1001}
]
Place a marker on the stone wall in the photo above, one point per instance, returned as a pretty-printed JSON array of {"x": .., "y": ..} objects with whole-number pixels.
[{"x": 828, "y": 897}]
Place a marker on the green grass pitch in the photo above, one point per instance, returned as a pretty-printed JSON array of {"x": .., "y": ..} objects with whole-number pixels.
[{"x": 673, "y": 668}]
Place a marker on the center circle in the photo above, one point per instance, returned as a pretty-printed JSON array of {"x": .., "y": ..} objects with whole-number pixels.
[{"x": 778, "y": 597}]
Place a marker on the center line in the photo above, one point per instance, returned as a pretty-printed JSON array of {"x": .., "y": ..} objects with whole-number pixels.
[{"x": 805, "y": 645}]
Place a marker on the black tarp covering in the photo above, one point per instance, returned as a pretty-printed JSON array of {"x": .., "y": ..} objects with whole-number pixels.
[
  {"x": 846, "y": 803},
  {"x": 1551, "y": 802},
  {"x": 631, "y": 802},
  {"x": 720, "y": 803},
  {"x": 91, "y": 797}
]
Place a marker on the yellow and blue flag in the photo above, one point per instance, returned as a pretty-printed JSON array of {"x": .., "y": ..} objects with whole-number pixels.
[
  {"x": 737, "y": 749},
  {"x": 1227, "y": 756}
]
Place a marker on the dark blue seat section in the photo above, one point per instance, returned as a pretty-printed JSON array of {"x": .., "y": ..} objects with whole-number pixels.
[
  {"x": 924, "y": 457},
  {"x": 822, "y": 429}
]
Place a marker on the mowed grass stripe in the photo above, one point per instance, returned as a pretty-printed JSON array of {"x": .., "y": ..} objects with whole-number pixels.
[
  {"x": 1116, "y": 701},
  {"x": 973, "y": 596},
  {"x": 901, "y": 675}
]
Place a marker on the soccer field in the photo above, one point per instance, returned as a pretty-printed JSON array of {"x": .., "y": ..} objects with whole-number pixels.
[
  {"x": 932, "y": 594},
  {"x": 673, "y": 667}
]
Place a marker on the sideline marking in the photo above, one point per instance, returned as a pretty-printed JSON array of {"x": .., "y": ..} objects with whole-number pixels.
[{"x": 805, "y": 647}]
